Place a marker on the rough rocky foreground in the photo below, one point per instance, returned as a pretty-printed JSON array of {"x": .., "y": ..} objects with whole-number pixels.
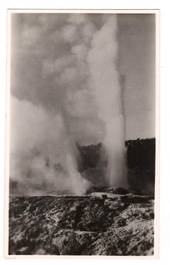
[{"x": 95, "y": 224}]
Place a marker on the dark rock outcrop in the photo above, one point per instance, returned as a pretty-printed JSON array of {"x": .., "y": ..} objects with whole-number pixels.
[
  {"x": 101, "y": 223},
  {"x": 140, "y": 161},
  {"x": 141, "y": 164}
]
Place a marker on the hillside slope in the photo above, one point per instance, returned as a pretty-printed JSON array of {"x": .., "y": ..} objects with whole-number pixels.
[{"x": 95, "y": 224}]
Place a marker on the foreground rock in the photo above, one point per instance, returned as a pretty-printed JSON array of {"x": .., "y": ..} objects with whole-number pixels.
[{"x": 96, "y": 224}]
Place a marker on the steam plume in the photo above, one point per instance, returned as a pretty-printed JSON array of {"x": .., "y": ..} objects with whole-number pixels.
[
  {"x": 44, "y": 157},
  {"x": 107, "y": 92},
  {"x": 78, "y": 185},
  {"x": 69, "y": 88}
]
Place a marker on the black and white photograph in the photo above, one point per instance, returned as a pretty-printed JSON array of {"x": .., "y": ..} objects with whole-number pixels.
[{"x": 82, "y": 137}]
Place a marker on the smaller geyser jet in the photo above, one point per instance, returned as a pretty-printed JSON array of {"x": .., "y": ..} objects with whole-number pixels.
[
  {"x": 78, "y": 184},
  {"x": 105, "y": 85}
]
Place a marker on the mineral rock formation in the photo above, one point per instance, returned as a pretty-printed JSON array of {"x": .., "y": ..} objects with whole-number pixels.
[{"x": 95, "y": 224}]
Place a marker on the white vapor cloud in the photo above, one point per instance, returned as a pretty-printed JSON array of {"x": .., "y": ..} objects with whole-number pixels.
[
  {"x": 37, "y": 142},
  {"x": 65, "y": 83}
]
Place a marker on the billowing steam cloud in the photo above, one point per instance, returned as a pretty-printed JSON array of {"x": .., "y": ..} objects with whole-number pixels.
[
  {"x": 34, "y": 157},
  {"x": 107, "y": 91},
  {"x": 43, "y": 156},
  {"x": 69, "y": 92}
]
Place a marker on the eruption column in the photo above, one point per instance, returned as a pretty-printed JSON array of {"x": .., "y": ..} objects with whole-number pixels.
[{"x": 104, "y": 82}]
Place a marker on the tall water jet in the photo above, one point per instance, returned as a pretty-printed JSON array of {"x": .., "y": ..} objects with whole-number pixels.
[{"x": 104, "y": 82}]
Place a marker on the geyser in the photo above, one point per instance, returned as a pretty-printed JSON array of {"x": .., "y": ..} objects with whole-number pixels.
[
  {"x": 104, "y": 83},
  {"x": 106, "y": 90},
  {"x": 71, "y": 94},
  {"x": 78, "y": 185}
]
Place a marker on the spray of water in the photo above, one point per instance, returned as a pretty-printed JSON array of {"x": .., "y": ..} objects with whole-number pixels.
[
  {"x": 78, "y": 185},
  {"x": 104, "y": 82}
]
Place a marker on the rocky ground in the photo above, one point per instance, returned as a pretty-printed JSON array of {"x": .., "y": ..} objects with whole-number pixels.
[{"x": 95, "y": 224}]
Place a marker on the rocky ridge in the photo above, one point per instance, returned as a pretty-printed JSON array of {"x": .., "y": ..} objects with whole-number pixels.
[{"x": 100, "y": 223}]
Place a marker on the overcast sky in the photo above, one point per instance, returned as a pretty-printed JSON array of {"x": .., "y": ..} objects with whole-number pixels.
[{"x": 44, "y": 47}]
